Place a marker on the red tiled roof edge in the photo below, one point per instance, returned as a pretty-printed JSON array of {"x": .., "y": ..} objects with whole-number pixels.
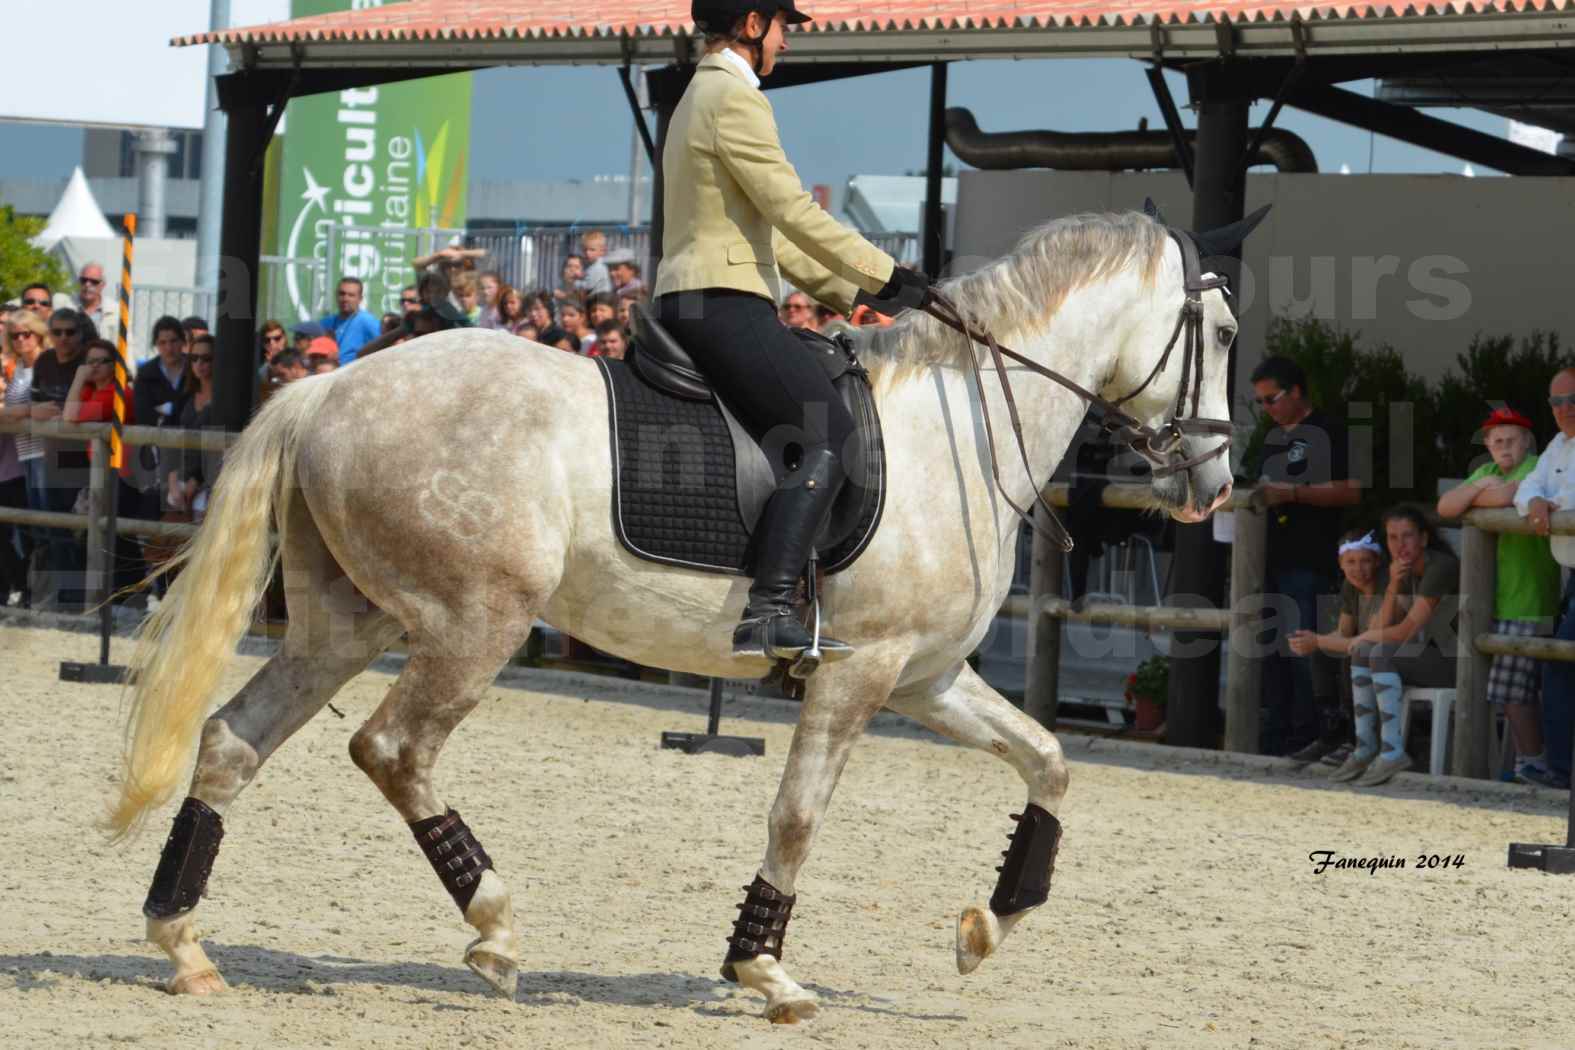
[{"x": 488, "y": 20}]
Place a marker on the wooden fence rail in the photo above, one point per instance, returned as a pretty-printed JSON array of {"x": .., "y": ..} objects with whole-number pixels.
[{"x": 1044, "y": 607}]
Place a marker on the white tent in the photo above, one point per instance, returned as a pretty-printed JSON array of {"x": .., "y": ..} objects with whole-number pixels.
[{"x": 76, "y": 215}]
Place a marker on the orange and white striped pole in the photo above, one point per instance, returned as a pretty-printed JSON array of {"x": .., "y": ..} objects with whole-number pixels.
[{"x": 117, "y": 449}]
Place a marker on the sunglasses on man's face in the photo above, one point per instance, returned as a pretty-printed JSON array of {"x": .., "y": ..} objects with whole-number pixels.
[
  {"x": 1560, "y": 400},
  {"x": 63, "y": 333},
  {"x": 35, "y": 302},
  {"x": 90, "y": 280}
]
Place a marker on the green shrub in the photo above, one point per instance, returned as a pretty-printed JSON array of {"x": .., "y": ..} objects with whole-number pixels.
[{"x": 1496, "y": 371}]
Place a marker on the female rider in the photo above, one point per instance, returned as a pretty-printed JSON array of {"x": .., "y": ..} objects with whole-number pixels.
[{"x": 737, "y": 217}]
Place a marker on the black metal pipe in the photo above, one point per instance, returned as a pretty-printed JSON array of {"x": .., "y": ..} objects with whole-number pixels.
[
  {"x": 934, "y": 218},
  {"x": 1100, "y": 150},
  {"x": 1180, "y": 140},
  {"x": 639, "y": 116}
]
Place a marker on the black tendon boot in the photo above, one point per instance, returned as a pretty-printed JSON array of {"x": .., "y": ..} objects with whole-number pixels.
[
  {"x": 786, "y": 535},
  {"x": 1028, "y": 862},
  {"x": 760, "y": 927}
]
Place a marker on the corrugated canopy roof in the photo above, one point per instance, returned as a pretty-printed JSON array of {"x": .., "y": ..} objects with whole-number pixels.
[{"x": 525, "y": 31}]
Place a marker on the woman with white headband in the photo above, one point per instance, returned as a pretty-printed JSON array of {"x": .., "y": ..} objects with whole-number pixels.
[
  {"x": 1409, "y": 643},
  {"x": 1361, "y": 557}
]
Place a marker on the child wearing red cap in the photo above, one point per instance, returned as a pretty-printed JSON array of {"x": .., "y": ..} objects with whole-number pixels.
[{"x": 1527, "y": 593}]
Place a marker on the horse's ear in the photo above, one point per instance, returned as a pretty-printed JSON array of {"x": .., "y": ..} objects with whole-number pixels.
[
  {"x": 1226, "y": 239},
  {"x": 1152, "y": 211}
]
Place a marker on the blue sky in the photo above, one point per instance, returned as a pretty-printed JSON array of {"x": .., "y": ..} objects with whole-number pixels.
[{"x": 553, "y": 123}]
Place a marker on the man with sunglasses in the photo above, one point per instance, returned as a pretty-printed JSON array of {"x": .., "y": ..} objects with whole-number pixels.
[
  {"x": 104, "y": 318},
  {"x": 1302, "y": 477},
  {"x": 1551, "y": 487},
  {"x": 39, "y": 299}
]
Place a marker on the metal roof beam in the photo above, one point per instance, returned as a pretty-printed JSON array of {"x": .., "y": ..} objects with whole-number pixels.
[
  {"x": 1349, "y": 36},
  {"x": 1408, "y": 125}
]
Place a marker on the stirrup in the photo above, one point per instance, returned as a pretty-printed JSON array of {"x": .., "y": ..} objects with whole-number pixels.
[{"x": 751, "y": 638}]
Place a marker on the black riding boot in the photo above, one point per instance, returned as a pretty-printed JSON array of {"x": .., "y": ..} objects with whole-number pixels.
[{"x": 785, "y": 537}]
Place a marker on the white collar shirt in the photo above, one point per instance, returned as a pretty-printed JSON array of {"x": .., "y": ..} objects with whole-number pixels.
[
  {"x": 734, "y": 57},
  {"x": 1552, "y": 479}
]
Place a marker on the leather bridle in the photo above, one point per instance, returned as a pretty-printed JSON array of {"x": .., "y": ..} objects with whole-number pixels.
[{"x": 1162, "y": 445}]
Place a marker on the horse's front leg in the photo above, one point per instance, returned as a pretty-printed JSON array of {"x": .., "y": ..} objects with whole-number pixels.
[
  {"x": 965, "y": 708},
  {"x": 838, "y": 704}
]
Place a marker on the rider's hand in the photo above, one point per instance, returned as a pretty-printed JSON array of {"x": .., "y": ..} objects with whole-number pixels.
[{"x": 908, "y": 289}]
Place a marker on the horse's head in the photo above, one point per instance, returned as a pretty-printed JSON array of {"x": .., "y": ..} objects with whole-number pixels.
[{"x": 1177, "y": 358}]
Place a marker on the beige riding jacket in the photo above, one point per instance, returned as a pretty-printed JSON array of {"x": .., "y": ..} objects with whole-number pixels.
[{"x": 735, "y": 213}]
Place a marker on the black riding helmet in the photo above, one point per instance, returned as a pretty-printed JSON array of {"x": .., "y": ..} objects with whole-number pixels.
[{"x": 720, "y": 16}]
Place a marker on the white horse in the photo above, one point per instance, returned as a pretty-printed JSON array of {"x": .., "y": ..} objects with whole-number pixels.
[{"x": 457, "y": 489}]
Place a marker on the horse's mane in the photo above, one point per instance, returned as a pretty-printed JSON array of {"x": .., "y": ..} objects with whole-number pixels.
[{"x": 1019, "y": 290}]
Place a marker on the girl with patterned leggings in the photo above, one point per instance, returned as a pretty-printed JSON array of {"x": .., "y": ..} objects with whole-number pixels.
[{"x": 1411, "y": 642}]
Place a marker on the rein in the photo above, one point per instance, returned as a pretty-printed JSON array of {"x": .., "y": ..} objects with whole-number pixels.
[{"x": 1159, "y": 445}]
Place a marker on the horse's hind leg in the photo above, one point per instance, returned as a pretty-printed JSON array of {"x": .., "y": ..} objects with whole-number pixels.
[
  {"x": 968, "y": 711},
  {"x": 398, "y": 748},
  {"x": 333, "y": 635}
]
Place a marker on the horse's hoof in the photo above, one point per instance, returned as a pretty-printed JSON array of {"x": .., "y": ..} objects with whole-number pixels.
[
  {"x": 792, "y": 1011},
  {"x": 978, "y": 934},
  {"x": 203, "y": 982},
  {"x": 501, "y": 973}
]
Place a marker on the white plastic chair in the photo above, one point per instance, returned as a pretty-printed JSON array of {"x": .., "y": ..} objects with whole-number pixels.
[{"x": 1443, "y": 701}]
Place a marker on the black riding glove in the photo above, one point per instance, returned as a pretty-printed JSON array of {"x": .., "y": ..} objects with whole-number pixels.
[{"x": 907, "y": 290}]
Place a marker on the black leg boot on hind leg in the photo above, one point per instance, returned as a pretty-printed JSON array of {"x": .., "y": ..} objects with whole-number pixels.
[
  {"x": 1023, "y": 884},
  {"x": 785, "y": 537},
  {"x": 179, "y": 884}
]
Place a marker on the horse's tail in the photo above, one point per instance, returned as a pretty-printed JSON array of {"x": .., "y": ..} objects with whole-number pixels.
[{"x": 184, "y": 647}]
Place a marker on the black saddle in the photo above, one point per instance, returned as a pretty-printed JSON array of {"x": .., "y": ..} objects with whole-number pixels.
[{"x": 689, "y": 482}]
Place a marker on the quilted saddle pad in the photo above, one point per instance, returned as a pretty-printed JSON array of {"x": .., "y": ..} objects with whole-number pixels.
[{"x": 675, "y": 486}]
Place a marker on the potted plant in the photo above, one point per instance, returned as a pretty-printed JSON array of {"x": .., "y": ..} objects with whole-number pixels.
[{"x": 1147, "y": 688}]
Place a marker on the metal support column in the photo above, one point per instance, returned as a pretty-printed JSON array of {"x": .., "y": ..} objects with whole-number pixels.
[
  {"x": 240, "y": 245},
  {"x": 934, "y": 253},
  {"x": 1198, "y": 572},
  {"x": 666, "y": 86}
]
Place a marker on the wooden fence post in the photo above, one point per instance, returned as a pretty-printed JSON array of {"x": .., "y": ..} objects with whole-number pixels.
[
  {"x": 1042, "y": 693},
  {"x": 100, "y": 562},
  {"x": 1473, "y": 720},
  {"x": 1244, "y": 674}
]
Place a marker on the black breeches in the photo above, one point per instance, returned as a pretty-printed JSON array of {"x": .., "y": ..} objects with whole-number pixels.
[{"x": 760, "y": 370}]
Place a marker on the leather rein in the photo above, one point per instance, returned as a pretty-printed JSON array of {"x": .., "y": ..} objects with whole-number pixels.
[{"x": 1159, "y": 445}]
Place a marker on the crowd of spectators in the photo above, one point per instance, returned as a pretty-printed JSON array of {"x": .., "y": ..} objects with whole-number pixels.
[
  {"x": 1342, "y": 650},
  {"x": 57, "y": 365},
  {"x": 58, "y": 356}
]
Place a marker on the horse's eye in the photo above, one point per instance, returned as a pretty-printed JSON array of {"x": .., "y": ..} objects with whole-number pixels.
[{"x": 1226, "y": 334}]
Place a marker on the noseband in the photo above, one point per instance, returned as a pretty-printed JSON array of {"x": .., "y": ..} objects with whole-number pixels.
[{"x": 1162, "y": 445}]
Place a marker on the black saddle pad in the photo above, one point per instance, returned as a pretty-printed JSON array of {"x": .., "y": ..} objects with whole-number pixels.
[{"x": 675, "y": 486}]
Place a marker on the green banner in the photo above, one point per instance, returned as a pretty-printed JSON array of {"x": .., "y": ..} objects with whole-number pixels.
[{"x": 362, "y": 170}]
